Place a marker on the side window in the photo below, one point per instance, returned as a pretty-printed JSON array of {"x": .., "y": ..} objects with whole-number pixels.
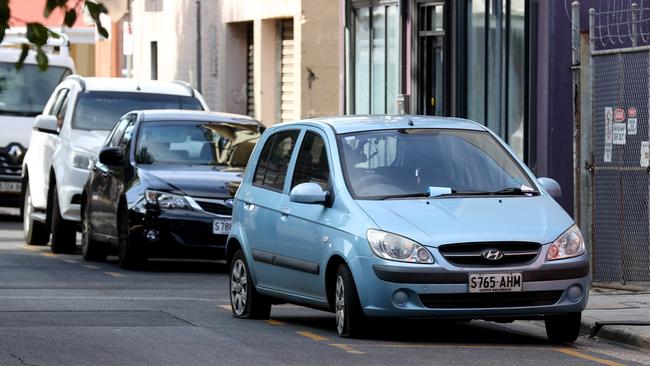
[
  {"x": 312, "y": 163},
  {"x": 119, "y": 132},
  {"x": 125, "y": 142},
  {"x": 275, "y": 169},
  {"x": 60, "y": 115},
  {"x": 260, "y": 169},
  {"x": 56, "y": 102}
]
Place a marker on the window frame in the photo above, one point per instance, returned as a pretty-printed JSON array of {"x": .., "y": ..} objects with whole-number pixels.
[
  {"x": 300, "y": 143},
  {"x": 290, "y": 165}
]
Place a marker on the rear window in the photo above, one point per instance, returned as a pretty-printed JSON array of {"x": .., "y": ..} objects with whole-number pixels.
[{"x": 102, "y": 110}]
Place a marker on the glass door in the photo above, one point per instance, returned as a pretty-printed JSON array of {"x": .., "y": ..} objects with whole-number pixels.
[{"x": 430, "y": 79}]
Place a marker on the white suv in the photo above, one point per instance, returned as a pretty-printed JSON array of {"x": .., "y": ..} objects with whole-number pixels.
[
  {"x": 23, "y": 94},
  {"x": 67, "y": 136}
]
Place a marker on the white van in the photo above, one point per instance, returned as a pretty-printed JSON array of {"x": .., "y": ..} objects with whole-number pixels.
[{"x": 23, "y": 95}]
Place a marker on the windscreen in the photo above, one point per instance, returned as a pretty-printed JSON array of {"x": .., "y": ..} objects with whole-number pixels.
[
  {"x": 402, "y": 162},
  {"x": 196, "y": 143},
  {"x": 25, "y": 92},
  {"x": 102, "y": 110}
]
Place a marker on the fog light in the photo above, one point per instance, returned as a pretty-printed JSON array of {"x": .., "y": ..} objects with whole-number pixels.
[
  {"x": 152, "y": 235},
  {"x": 400, "y": 298},
  {"x": 575, "y": 292}
]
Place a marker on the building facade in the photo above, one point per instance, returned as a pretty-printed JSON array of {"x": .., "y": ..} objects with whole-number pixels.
[{"x": 502, "y": 63}]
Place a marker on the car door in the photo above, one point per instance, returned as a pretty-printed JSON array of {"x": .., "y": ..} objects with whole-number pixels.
[
  {"x": 261, "y": 200},
  {"x": 117, "y": 176},
  {"x": 300, "y": 241},
  {"x": 100, "y": 186}
]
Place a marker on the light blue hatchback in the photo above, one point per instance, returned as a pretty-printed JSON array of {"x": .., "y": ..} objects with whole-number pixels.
[{"x": 402, "y": 216}]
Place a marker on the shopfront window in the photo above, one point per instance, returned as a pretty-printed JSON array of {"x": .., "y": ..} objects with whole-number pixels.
[
  {"x": 496, "y": 72},
  {"x": 375, "y": 64}
]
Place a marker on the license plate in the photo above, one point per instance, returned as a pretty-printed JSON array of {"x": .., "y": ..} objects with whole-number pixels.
[
  {"x": 10, "y": 187},
  {"x": 221, "y": 226},
  {"x": 495, "y": 282}
]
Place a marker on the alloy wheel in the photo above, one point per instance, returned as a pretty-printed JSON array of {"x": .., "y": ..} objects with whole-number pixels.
[
  {"x": 27, "y": 214},
  {"x": 238, "y": 287},
  {"x": 340, "y": 305}
]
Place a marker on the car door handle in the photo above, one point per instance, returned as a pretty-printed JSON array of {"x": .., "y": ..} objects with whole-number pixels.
[
  {"x": 284, "y": 213},
  {"x": 249, "y": 206}
]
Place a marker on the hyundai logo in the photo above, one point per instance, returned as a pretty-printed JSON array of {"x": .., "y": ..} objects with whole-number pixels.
[
  {"x": 492, "y": 254},
  {"x": 230, "y": 202}
]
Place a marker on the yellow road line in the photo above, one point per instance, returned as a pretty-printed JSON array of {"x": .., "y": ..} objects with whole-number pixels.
[
  {"x": 90, "y": 266},
  {"x": 347, "y": 348},
  {"x": 31, "y": 248},
  {"x": 274, "y": 322},
  {"x": 312, "y": 336},
  {"x": 49, "y": 254},
  {"x": 114, "y": 274},
  {"x": 584, "y": 356},
  {"x": 225, "y": 307},
  {"x": 69, "y": 260}
]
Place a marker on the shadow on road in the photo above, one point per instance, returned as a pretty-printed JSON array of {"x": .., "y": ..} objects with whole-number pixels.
[{"x": 176, "y": 265}]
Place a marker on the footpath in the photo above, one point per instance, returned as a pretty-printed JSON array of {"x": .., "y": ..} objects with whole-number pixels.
[{"x": 617, "y": 315}]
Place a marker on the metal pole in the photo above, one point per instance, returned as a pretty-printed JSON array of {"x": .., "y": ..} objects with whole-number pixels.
[
  {"x": 575, "y": 33},
  {"x": 577, "y": 158},
  {"x": 590, "y": 209},
  {"x": 635, "y": 10},
  {"x": 198, "y": 45},
  {"x": 592, "y": 28}
]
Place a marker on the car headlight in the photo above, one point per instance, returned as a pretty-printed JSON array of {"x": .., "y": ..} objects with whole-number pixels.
[
  {"x": 80, "y": 159},
  {"x": 166, "y": 200},
  {"x": 570, "y": 244},
  {"x": 397, "y": 248}
]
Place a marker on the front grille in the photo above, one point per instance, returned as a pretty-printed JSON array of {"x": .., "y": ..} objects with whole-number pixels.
[
  {"x": 215, "y": 207},
  {"x": 9, "y": 166},
  {"x": 490, "y": 300},
  {"x": 515, "y": 253}
]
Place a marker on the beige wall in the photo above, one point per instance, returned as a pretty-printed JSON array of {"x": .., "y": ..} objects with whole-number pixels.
[{"x": 84, "y": 58}]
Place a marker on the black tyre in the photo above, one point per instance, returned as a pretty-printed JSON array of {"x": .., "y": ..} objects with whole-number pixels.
[
  {"x": 563, "y": 328},
  {"x": 350, "y": 319},
  {"x": 91, "y": 250},
  {"x": 245, "y": 301},
  {"x": 131, "y": 255},
  {"x": 36, "y": 232},
  {"x": 64, "y": 232}
]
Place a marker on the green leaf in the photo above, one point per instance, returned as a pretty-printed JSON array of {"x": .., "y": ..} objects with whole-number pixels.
[
  {"x": 5, "y": 15},
  {"x": 102, "y": 31},
  {"x": 41, "y": 59},
  {"x": 95, "y": 10},
  {"x": 23, "y": 56},
  {"x": 37, "y": 34},
  {"x": 70, "y": 17}
]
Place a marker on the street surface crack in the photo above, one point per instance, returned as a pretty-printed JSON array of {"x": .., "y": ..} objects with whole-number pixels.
[{"x": 20, "y": 359}]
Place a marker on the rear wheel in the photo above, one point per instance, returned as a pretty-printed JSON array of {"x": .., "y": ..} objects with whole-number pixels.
[
  {"x": 131, "y": 256},
  {"x": 36, "y": 232},
  {"x": 563, "y": 328},
  {"x": 64, "y": 232},
  {"x": 245, "y": 301},
  {"x": 91, "y": 250},
  {"x": 350, "y": 318}
]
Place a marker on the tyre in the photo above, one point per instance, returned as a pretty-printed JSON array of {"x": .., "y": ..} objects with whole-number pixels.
[
  {"x": 131, "y": 255},
  {"x": 245, "y": 301},
  {"x": 563, "y": 328},
  {"x": 64, "y": 232},
  {"x": 91, "y": 250},
  {"x": 350, "y": 319},
  {"x": 36, "y": 232}
]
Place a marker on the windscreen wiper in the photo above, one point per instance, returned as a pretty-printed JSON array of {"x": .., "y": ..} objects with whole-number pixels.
[
  {"x": 404, "y": 195},
  {"x": 515, "y": 190}
]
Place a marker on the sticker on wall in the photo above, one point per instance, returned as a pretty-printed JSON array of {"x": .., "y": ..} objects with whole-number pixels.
[
  {"x": 631, "y": 126},
  {"x": 608, "y": 154},
  {"x": 619, "y": 115},
  {"x": 608, "y": 125},
  {"x": 645, "y": 154},
  {"x": 631, "y": 112},
  {"x": 619, "y": 133}
]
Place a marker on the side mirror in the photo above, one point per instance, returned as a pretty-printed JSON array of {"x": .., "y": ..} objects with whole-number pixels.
[
  {"x": 308, "y": 193},
  {"x": 551, "y": 186},
  {"x": 111, "y": 156},
  {"x": 45, "y": 123}
]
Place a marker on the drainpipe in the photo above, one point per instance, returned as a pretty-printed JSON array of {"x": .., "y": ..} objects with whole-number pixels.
[{"x": 198, "y": 45}]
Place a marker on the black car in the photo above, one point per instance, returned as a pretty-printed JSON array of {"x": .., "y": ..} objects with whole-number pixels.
[{"x": 162, "y": 185}]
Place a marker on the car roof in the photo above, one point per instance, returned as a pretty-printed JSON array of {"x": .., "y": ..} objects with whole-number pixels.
[
  {"x": 9, "y": 54},
  {"x": 192, "y": 115},
  {"x": 131, "y": 85},
  {"x": 359, "y": 123}
]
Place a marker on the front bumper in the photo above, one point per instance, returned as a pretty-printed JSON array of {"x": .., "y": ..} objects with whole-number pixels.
[
  {"x": 70, "y": 186},
  {"x": 440, "y": 291},
  {"x": 180, "y": 233},
  {"x": 13, "y": 198}
]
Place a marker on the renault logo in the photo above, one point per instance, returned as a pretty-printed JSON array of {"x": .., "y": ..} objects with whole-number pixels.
[
  {"x": 15, "y": 153},
  {"x": 492, "y": 254}
]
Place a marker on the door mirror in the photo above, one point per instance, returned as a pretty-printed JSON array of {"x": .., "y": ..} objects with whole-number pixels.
[
  {"x": 308, "y": 193},
  {"x": 551, "y": 186},
  {"x": 45, "y": 123},
  {"x": 111, "y": 156}
]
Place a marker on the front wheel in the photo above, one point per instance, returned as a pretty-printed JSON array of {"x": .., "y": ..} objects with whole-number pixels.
[
  {"x": 350, "y": 318},
  {"x": 64, "y": 232},
  {"x": 36, "y": 232},
  {"x": 130, "y": 254},
  {"x": 245, "y": 301},
  {"x": 563, "y": 328},
  {"x": 91, "y": 250}
]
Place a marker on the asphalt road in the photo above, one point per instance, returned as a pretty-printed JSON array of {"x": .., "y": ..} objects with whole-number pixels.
[{"x": 60, "y": 310}]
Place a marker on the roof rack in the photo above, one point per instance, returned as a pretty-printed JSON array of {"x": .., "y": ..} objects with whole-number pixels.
[
  {"x": 79, "y": 79},
  {"x": 186, "y": 85}
]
